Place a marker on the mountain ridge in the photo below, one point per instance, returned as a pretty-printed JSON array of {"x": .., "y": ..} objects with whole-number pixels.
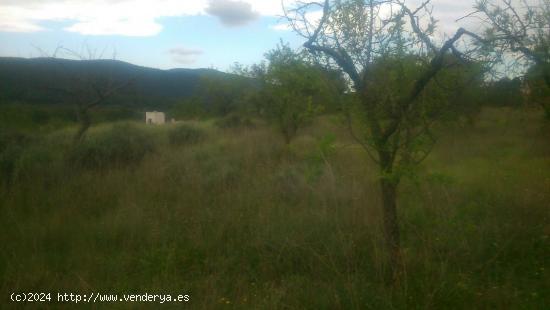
[{"x": 32, "y": 80}]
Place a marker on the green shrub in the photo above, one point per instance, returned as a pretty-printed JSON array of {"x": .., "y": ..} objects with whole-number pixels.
[
  {"x": 185, "y": 134},
  {"x": 40, "y": 161},
  {"x": 121, "y": 145},
  {"x": 12, "y": 145},
  {"x": 234, "y": 121},
  {"x": 9, "y": 138}
]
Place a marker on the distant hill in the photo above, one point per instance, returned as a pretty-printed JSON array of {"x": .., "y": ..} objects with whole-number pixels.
[{"x": 42, "y": 80}]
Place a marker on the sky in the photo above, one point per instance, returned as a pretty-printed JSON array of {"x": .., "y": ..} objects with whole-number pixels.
[{"x": 164, "y": 33}]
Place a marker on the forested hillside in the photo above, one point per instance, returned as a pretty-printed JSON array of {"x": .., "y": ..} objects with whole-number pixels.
[{"x": 45, "y": 80}]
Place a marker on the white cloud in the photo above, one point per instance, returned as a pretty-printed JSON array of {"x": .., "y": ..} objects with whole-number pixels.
[
  {"x": 232, "y": 13},
  {"x": 116, "y": 27},
  {"x": 10, "y": 20},
  {"x": 104, "y": 17},
  {"x": 185, "y": 55},
  {"x": 140, "y": 17}
]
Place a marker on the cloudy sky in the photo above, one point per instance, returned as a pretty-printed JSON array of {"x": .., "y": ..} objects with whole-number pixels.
[{"x": 162, "y": 33}]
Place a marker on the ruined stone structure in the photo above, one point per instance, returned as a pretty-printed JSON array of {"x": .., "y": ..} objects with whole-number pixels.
[{"x": 157, "y": 118}]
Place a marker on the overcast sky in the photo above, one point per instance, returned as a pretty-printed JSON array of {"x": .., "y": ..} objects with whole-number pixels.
[{"x": 163, "y": 33}]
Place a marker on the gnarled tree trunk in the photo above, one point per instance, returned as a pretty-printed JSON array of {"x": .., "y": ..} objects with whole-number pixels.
[
  {"x": 391, "y": 228},
  {"x": 85, "y": 123},
  {"x": 388, "y": 186}
]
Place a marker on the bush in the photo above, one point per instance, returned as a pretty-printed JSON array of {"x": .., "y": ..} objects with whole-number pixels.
[
  {"x": 12, "y": 145},
  {"x": 122, "y": 145},
  {"x": 234, "y": 121},
  {"x": 185, "y": 134}
]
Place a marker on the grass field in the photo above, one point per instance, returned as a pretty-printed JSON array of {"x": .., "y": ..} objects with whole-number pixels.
[{"x": 237, "y": 220}]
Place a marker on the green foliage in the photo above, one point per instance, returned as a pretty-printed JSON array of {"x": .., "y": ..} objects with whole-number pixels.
[
  {"x": 460, "y": 88},
  {"x": 234, "y": 120},
  {"x": 393, "y": 77},
  {"x": 452, "y": 94},
  {"x": 293, "y": 91},
  {"x": 114, "y": 113},
  {"x": 30, "y": 118},
  {"x": 318, "y": 160},
  {"x": 12, "y": 145},
  {"x": 521, "y": 27},
  {"x": 504, "y": 93},
  {"x": 185, "y": 135},
  {"x": 438, "y": 178},
  {"x": 217, "y": 96},
  {"x": 39, "y": 159},
  {"x": 20, "y": 116},
  {"x": 119, "y": 146},
  {"x": 192, "y": 108},
  {"x": 223, "y": 95},
  {"x": 538, "y": 87},
  {"x": 9, "y": 138}
]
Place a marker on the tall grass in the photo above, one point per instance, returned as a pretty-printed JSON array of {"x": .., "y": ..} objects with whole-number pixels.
[
  {"x": 240, "y": 221},
  {"x": 185, "y": 134}
]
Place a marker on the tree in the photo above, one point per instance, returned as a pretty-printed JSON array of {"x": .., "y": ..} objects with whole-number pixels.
[
  {"x": 293, "y": 90},
  {"x": 519, "y": 31},
  {"x": 216, "y": 95},
  {"x": 537, "y": 90},
  {"x": 504, "y": 92},
  {"x": 394, "y": 68},
  {"x": 88, "y": 90},
  {"x": 222, "y": 94},
  {"x": 88, "y": 93}
]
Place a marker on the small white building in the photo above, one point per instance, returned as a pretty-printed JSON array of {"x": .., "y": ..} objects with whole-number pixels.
[{"x": 155, "y": 117}]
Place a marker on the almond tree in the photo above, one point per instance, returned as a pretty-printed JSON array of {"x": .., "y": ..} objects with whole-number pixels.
[
  {"x": 519, "y": 31},
  {"x": 395, "y": 69},
  {"x": 293, "y": 90},
  {"x": 87, "y": 89}
]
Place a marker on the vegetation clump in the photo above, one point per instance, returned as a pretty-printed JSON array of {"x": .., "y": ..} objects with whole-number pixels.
[
  {"x": 121, "y": 145},
  {"x": 185, "y": 134},
  {"x": 233, "y": 121},
  {"x": 12, "y": 145}
]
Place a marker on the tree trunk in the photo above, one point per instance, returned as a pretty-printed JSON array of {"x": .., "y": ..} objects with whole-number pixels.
[
  {"x": 546, "y": 108},
  {"x": 289, "y": 132},
  {"x": 391, "y": 228},
  {"x": 545, "y": 101},
  {"x": 85, "y": 123},
  {"x": 287, "y": 136}
]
